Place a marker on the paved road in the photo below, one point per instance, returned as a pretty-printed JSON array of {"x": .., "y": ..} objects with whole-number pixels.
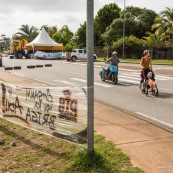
[{"x": 125, "y": 95}]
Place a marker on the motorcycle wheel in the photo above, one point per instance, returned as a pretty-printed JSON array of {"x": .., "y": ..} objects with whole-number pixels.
[
  {"x": 102, "y": 77},
  {"x": 114, "y": 79}
]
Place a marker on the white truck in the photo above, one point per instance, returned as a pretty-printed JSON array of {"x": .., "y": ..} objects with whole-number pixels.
[{"x": 78, "y": 54}]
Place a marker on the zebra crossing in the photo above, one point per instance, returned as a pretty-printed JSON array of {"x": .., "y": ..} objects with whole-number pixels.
[{"x": 126, "y": 78}]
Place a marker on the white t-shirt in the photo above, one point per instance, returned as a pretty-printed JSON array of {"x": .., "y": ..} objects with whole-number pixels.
[{"x": 26, "y": 51}]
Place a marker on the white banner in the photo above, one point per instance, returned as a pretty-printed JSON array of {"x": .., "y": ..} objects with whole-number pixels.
[
  {"x": 57, "y": 111},
  {"x": 46, "y": 55}
]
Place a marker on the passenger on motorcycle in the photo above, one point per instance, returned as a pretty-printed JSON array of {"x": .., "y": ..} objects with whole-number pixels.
[
  {"x": 114, "y": 60},
  {"x": 146, "y": 65}
]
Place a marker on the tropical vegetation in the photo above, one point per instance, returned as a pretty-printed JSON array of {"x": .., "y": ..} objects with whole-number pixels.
[{"x": 141, "y": 25}]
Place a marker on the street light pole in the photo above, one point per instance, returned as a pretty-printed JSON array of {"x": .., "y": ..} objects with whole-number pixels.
[
  {"x": 124, "y": 25},
  {"x": 90, "y": 75}
]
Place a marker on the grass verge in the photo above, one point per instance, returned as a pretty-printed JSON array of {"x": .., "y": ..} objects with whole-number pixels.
[
  {"x": 157, "y": 61},
  {"x": 36, "y": 152}
]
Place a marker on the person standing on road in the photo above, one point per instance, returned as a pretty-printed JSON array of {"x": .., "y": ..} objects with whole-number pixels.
[
  {"x": 146, "y": 65},
  {"x": 26, "y": 53},
  {"x": 15, "y": 53}
]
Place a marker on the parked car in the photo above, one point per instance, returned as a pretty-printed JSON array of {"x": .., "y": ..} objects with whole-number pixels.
[{"x": 78, "y": 54}]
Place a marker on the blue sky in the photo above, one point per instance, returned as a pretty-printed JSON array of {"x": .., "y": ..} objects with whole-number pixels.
[{"x": 58, "y": 13}]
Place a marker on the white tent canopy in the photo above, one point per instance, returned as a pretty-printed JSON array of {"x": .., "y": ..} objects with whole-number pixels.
[{"x": 43, "y": 39}]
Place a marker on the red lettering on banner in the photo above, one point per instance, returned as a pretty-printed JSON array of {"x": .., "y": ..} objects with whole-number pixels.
[
  {"x": 8, "y": 105},
  {"x": 68, "y": 106}
]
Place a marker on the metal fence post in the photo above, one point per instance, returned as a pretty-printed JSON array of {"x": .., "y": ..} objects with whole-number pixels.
[{"x": 90, "y": 75}]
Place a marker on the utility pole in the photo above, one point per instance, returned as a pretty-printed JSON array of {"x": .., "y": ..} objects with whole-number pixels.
[
  {"x": 124, "y": 27},
  {"x": 90, "y": 75}
]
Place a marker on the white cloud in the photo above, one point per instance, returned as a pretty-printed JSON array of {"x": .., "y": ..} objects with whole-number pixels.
[{"x": 58, "y": 13}]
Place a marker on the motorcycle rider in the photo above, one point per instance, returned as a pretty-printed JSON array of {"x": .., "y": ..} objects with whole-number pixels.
[{"x": 114, "y": 60}]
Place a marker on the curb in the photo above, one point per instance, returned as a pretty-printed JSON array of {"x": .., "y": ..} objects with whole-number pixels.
[
  {"x": 8, "y": 68},
  {"x": 17, "y": 68},
  {"x": 39, "y": 66},
  {"x": 48, "y": 65},
  {"x": 11, "y": 57},
  {"x": 31, "y": 66}
]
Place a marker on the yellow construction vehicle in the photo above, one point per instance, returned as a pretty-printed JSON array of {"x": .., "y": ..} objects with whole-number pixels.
[{"x": 17, "y": 48}]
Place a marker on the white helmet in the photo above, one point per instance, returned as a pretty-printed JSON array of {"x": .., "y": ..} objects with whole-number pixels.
[{"x": 114, "y": 53}]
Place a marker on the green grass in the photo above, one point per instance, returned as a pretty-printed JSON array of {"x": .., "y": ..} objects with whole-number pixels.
[
  {"x": 2, "y": 80},
  {"x": 46, "y": 154},
  {"x": 159, "y": 61},
  {"x": 107, "y": 158},
  {"x": 101, "y": 58}
]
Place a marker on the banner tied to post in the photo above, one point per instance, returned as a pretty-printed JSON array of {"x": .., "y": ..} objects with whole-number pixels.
[{"x": 56, "y": 111}]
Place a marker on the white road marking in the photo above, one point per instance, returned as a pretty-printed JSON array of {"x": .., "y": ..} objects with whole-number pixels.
[
  {"x": 158, "y": 77},
  {"x": 95, "y": 83},
  {"x": 165, "y": 89},
  {"x": 66, "y": 82},
  {"x": 136, "y": 76},
  {"x": 130, "y": 74},
  {"x": 166, "y": 68},
  {"x": 164, "y": 77},
  {"x": 129, "y": 77},
  {"x": 129, "y": 81},
  {"x": 154, "y": 119},
  {"x": 135, "y": 81},
  {"x": 123, "y": 69}
]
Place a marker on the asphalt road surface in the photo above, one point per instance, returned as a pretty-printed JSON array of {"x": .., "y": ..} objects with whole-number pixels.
[{"x": 125, "y": 95}]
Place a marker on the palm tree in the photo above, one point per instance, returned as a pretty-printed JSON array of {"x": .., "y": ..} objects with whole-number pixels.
[
  {"x": 164, "y": 23},
  {"x": 27, "y": 33},
  {"x": 154, "y": 40}
]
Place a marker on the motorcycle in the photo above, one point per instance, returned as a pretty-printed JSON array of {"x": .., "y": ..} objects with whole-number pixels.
[{"x": 110, "y": 74}]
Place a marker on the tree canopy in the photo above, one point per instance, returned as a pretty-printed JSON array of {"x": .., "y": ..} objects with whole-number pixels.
[
  {"x": 64, "y": 35},
  {"x": 138, "y": 22},
  {"x": 141, "y": 23},
  {"x": 104, "y": 18},
  {"x": 26, "y": 32},
  {"x": 164, "y": 23}
]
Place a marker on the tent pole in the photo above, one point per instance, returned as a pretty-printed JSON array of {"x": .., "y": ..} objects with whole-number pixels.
[{"x": 33, "y": 51}]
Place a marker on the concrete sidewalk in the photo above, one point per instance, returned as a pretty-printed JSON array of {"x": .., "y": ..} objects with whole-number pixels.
[{"x": 148, "y": 146}]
